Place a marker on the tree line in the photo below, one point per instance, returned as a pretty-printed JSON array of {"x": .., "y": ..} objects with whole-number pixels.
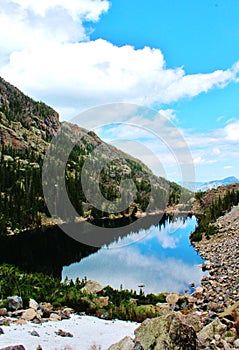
[
  {"x": 21, "y": 195},
  {"x": 219, "y": 207}
]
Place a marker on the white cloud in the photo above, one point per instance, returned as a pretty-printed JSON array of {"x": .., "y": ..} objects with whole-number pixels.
[
  {"x": 88, "y": 9},
  {"x": 47, "y": 52},
  {"x": 165, "y": 149},
  {"x": 216, "y": 151},
  {"x": 232, "y": 131},
  {"x": 159, "y": 272},
  {"x": 227, "y": 167},
  {"x": 85, "y": 74},
  {"x": 199, "y": 160},
  {"x": 26, "y": 25},
  {"x": 218, "y": 147},
  {"x": 220, "y": 118}
]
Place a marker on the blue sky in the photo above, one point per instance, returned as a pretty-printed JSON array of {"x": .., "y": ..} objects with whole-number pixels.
[
  {"x": 178, "y": 57},
  {"x": 201, "y": 36}
]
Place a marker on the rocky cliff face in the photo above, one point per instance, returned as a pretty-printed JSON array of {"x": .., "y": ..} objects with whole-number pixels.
[{"x": 24, "y": 123}]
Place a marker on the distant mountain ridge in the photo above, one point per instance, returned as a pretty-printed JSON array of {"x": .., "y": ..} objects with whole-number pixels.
[
  {"x": 204, "y": 186},
  {"x": 216, "y": 183}
]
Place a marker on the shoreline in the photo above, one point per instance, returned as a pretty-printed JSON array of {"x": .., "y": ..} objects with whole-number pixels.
[
  {"x": 212, "y": 309},
  {"x": 221, "y": 254},
  {"x": 48, "y": 223}
]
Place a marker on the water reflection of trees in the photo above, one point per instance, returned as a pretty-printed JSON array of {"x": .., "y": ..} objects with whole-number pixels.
[{"x": 48, "y": 251}]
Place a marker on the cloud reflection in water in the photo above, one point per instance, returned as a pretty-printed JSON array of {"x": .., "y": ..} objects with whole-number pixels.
[{"x": 163, "y": 260}]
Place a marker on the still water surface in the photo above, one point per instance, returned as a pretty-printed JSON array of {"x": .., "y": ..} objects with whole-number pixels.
[{"x": 160, "y": 257}]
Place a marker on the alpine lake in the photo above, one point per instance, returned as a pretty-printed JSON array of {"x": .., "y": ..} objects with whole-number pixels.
[{"x": 153, "y": 253}]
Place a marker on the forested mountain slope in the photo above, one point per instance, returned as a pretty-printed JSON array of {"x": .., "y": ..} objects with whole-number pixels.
[{"x": 26, "y": 129}]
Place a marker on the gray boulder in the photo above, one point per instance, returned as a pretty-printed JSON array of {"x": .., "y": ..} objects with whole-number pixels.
[
  {"x": 15, "y": 302},
  {"x": 164, "y": 333}
]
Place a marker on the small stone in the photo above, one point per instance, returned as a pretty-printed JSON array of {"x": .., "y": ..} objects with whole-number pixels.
[
  {"x": 236, "y": 344},
  {"x": 3, "y": 312},
  {"x": 33, "y": 304},
  {"x": 226, "y": 346},
  {"x": 29, "y": 315},
  {"x": 63, "y": 315},
  {"x": 55, "y": 317},
  {"x": 192, "y": 299},
  {"x": 172, "y": 298},
  {"x": 1, "y": 331},
  {"x": 64, "y": 334},
  {"x": 5, "y": 322},
  {"x": 35, "y": 334},
  {"x": 46, "y": 309},
  {"x": 68, "y": 311},
  {"x": 20, "y": 322},
  {"x": 198, "y": 292}
]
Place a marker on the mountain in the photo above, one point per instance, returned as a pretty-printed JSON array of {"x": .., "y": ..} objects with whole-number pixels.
[
  {"x": 204, "y": 186},
  {"x": 216, "y": 183},
  {"x": 24, "y": 123},
  {"x": 26, "y": 129}
]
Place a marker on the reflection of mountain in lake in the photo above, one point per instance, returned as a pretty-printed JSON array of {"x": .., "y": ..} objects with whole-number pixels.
[
  {"x": 159, "y": 256},
  {"x": 154, "y": 251},
  {"x": 48, "y": 251}
]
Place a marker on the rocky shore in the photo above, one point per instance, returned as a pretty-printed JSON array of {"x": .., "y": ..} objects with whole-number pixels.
[
  {"x": 209, "y": 318},
  {"x": 206, "y": 319},
  {"x": 221, "y": 287}
]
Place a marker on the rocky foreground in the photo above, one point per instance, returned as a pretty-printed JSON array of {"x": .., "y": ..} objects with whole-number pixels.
[
  {"x": 206, "y": 319},
  {"x": 209, "y": 318}
]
